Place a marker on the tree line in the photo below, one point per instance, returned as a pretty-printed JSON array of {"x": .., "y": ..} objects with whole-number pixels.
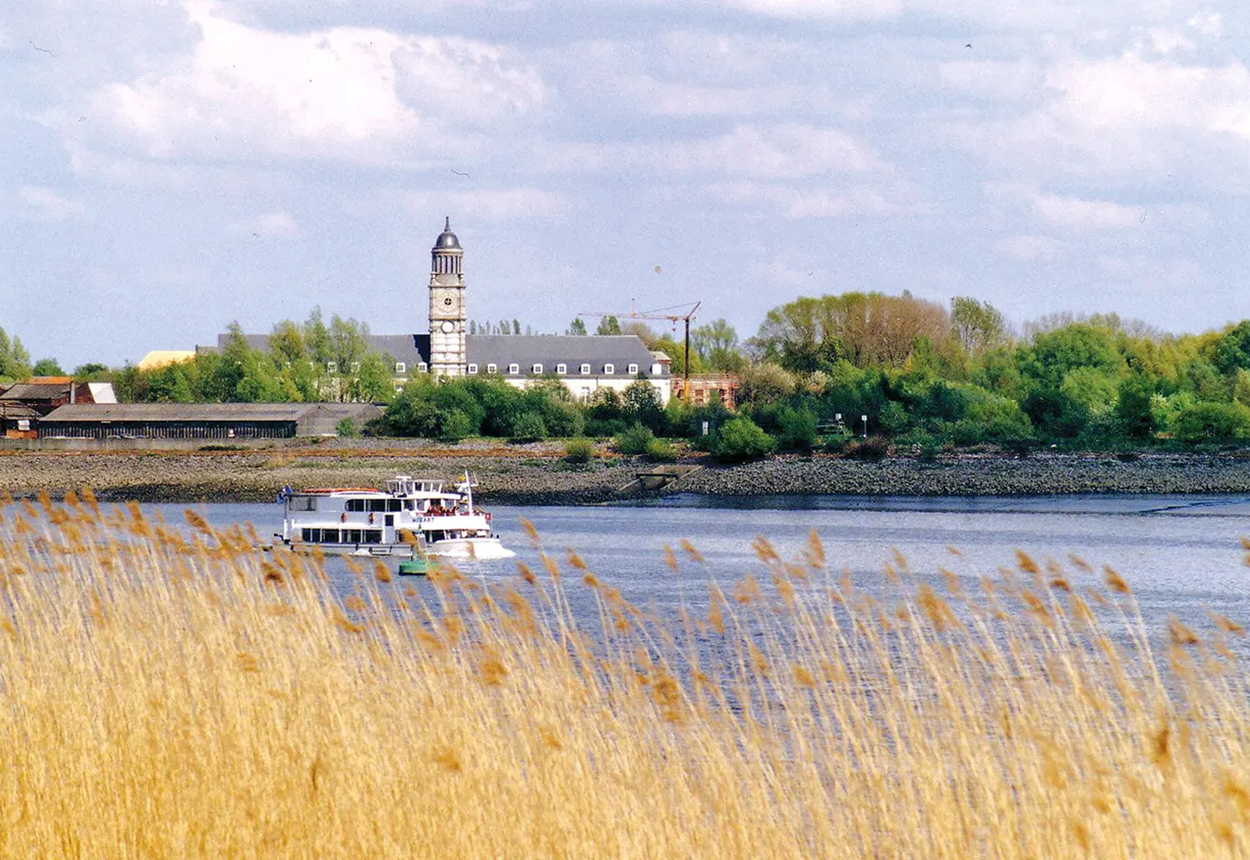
[{"x": 925, "y": 374}]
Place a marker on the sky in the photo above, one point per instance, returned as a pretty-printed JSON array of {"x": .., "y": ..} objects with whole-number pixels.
[{"x": 167, "y": 168}]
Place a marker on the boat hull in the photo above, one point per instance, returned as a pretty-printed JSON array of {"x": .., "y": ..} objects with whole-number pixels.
[{"x": 484, "y": 548}]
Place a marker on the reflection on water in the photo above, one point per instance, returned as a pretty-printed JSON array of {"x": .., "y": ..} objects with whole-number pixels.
[{"x": 1181, "y": 554}]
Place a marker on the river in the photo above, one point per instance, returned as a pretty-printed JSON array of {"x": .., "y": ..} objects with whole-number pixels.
[{"x": 1180, "y": 554}]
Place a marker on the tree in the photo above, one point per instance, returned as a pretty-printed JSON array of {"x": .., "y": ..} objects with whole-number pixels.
[
  {"x": 47, "y": 367},
  {"x": 978, "y": 325},
  {"x": 374, "y": 383},
  {"x": 716, "y": 344},
  {"x": 608, "y": 325},
  {"x": 577, "y": 327},
  {"x": 14, "y": 359},
  {"x": 741, "y": 438},
  {"x": 317, "y": 338},
  {"x": 642, "y": 404}
]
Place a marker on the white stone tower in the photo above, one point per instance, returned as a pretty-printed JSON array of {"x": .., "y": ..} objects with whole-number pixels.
[{"x": 447, "y": 314}]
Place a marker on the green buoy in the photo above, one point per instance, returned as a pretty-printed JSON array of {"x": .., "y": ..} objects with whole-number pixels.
[{"x": 414, "y": 567}]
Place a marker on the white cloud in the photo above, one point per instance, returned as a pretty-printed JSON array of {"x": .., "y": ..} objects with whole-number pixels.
[
  {"x": 829, "y": 10},
  {"x": 270, "y": 225},
  {"x": 1029, "y": 247},
  {"x": 798, "y": 203},
  {"x": 349, "y": 93},
  {"x": 48, "y": 204},
  {"x": 498, "y": 205},
  {"x": 1084, "y": 214},
  {"x": 784, "y": 151}
]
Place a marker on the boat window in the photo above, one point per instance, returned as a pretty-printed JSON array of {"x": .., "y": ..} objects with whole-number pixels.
[
  {"x": 393, "y": 505},
  {"x": 307, "y": 536},
  {"x": 377, "y": 504},
  {"x": 408, "y": 504},
  {"x": 329, "y": 535},
  {"x": 353, "y": 536},
  {"x": 303, "y": 503},
  {"x": 373, "y": 536},
  {"x": 356, "y": 504}
]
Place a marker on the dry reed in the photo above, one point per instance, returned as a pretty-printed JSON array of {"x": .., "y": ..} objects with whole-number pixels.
[{"x": 173, "y": 693}]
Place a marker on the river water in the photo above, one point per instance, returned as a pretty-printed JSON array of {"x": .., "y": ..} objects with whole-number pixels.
[{"x": 1180, "y": 554}]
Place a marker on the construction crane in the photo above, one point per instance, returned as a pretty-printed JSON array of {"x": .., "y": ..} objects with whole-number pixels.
[{"x": 672, "y": 315}]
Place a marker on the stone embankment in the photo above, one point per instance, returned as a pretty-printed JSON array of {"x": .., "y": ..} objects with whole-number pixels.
[{"x": 537, "y": 474}]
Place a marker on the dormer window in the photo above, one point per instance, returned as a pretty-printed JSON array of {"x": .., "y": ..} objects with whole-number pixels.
[
  {"x": 609, "y": 369},
  {"x": 656, "y": 370},
  {"x": 561, "y": 369},
  {"x": 423, "y": 367},
  {"x": 514, "y": 369},
  {"x": 537, "y": 370},
  {"x": 492, "y": 368},
  {"x": 400, "y": 367},
  {"x": 472, "y": 368},
  {"x": 633, "y": 370},
  {"x": 585, "y": 370}
]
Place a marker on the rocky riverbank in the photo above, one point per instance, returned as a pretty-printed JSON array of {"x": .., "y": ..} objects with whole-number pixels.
[{"x": 537, "y": 474}]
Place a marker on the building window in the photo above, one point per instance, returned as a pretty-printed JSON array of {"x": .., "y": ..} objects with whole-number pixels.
[
  {"x": 609, "y": 369},
  {"x": 472, "y": 368},
  {"x": 537, "y": 370},
  {"x": 400, "y": 367},
  {"x": 423, "y": 367},
  {"x": 562, "y": 369},
  {"x": 332, "y": 367},
  {"x": 514, "y": 368},
  {"x": 492, "y": 368},
  {"x": 585, "y": 370},
  {"x": 633, "y": 370},
  {"x": 656, "y": 369}
]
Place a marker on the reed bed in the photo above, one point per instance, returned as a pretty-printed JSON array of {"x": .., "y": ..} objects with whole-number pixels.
[{"x": 171, "y": 692}]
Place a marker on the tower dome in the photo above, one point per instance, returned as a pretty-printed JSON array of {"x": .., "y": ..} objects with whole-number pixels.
[{"x": 447, "y": 240}]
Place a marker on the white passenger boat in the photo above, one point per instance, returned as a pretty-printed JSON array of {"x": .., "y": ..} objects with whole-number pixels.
[{"x": 412, "y": 516}]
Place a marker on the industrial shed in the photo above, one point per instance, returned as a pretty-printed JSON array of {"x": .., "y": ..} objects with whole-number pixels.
[{"x": 201, "y": 420}]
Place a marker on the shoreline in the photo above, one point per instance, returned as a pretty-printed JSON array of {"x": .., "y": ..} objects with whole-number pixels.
[{"x": 536, "y": 474}]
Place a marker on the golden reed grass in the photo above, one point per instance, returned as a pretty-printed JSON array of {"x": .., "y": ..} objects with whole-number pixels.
[{"x": 173, "y": 693}]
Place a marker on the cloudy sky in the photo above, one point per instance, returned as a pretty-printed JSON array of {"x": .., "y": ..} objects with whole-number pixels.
[{"x": 169, "y": 167}]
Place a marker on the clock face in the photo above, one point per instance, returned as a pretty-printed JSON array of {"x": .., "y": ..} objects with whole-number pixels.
[
  {"x": 447, "y": 325},
  {"x": 447, "y": 301}
]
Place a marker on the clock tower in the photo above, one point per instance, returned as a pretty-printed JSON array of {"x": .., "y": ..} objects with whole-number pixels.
[{"x": 447, "y": 316}]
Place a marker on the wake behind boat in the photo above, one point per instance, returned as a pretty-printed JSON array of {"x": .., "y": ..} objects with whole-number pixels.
[{"x": 411, "y": 517}]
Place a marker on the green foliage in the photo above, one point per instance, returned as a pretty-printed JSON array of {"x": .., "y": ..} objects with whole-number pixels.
[
  {"x": 47, "y": 367},
  {"x": 716, "y": 345},
  {"x": 347, "y": 429},
  {"x": 1205, "y": 421},
  {"x": 978, "y": 325},
  {"x": 529, "y": 427},
  {"x": 608, "y": 325},
  {"x": 577, "y": 327},
  {"x": 641, "y": 403},
  {"x": 741, "y": 439},
  {"x": 579, "y": 450},
  {"x": 14, "y": 359},
  {"x": 872, "y": 449},
  {"x": 634, "y": 440},
  {"x": 660, "y": 451},
  {"x": 1056, "y": 413},
  {"x": 798, "y": 429},
  {"x": 1054, "y": 354}
]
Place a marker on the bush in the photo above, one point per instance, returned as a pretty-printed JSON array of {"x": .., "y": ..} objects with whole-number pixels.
[
  {"x": 741, "y": 439},
  {"x": 660, "y": 451},
  {"x": 798, "y": 430},
  {"x": 456, "y": 425},
  {"x": 579, "y": 451},
  {"x": 529, "y": 427},
  {"x": 1212, "y": 422},
  {"x": 872, "y": 449},
  {"x": 634, "y": 440},
  {"x": 347, "y": 429}
]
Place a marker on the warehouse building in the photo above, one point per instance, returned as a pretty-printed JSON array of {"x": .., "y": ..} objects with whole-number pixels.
[{"x": 202, "y": 420}]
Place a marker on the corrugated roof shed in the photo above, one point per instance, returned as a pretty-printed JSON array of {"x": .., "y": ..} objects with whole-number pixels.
[
  {"x": 205, "y": 412},
  {"x": 36, "y": 391}
]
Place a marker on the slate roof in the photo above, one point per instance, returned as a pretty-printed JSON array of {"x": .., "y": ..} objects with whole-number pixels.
[
  {"x": 36, "y": 391},
  {"x": 504, "y": 349}
]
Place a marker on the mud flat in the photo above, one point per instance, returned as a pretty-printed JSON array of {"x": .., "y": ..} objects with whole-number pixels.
[{"x": 537, "y": 474}]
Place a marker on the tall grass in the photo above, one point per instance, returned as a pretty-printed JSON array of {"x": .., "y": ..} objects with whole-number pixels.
[{"x": 172, "y": 693}]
